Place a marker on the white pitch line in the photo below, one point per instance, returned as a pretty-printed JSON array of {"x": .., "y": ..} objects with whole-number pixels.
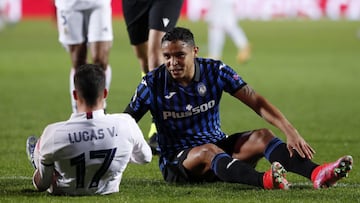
[
  {"x": 337, "y": 185},
  {"x": 15, "y": 178},
  {"x": 308, "y": 184}
]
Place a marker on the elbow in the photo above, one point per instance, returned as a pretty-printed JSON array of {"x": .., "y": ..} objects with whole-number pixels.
[
  {"x": 39, "y": 183},
  {"x": 148, "y": 159}
]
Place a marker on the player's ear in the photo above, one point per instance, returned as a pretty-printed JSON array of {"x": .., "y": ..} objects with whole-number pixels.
[
  {"x": 75, "y": 95},
  {"x": 105, "y": 93},
  {"x": 196, "y": 50}
]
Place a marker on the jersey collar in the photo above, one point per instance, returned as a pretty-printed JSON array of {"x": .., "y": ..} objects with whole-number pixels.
[{"x": 88, "y": 115}]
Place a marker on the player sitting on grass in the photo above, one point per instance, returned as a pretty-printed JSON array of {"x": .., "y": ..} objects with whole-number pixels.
[
  {"x": 88, "y": 153},
  {"x": 183, "y": 96}
]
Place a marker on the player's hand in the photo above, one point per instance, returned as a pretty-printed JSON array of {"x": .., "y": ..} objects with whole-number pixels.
[{"x": 301, "y": 146}]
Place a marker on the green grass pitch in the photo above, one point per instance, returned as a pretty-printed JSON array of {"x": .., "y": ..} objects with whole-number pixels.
[{"x": 310, "y": 70}]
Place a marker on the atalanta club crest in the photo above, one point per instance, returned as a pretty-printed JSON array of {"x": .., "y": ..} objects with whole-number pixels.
[{"x": 201, "y": 88}]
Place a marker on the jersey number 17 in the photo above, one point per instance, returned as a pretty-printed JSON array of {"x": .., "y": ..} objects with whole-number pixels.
[{"x": 79, "y": 163}]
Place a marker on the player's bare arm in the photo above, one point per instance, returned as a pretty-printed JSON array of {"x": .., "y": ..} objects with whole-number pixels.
[{"x": 273, "y": 116}]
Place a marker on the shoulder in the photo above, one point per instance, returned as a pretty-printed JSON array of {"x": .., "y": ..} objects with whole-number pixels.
[
  {"x": 54, "y": 126},
  {"x": 214, "y": 67},
  {"x": 126, "y": 124},
  {"x": 123, "y": 117},
  {"x": 47, "y": 136},
  {"x": 158, "y": 74},
  {"x": 212, "y": 64}
]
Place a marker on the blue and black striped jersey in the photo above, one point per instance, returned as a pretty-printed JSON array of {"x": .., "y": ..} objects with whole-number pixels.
[{"x": 185, "y": 116}]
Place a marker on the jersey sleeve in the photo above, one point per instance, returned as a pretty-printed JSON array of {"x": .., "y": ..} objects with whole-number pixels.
[
  {"x": 141, "y": 152},
  {"x": 230, "y": 79},
  {"x": 140, "y": 101},
  {"x": 45, "y": 169}
]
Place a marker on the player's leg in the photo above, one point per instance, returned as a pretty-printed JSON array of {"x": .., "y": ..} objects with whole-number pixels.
[
  {"x": 78, "y": 53},
  {"x": 263, "y": 142},
  {"x": 248, "y": 147},
  {"x": 100, "y": 51},
  {"x": 72, "y": 37},
  {"x": 240, "y": 40},
  {"x": 163, "y": 16},
  {"x": 137, "y": 20},
  {"x": 30, "y": 150},
  {"x": 325, "y": 175},
  {"x": 238, "y": 36},
  {"x": 208, "y": 158},
  {"x": 100, "y": 37},
  {"x": 140, "y": 51},
  {"x": 155, "y": 57},
  {"x": 216, "y": 40}
]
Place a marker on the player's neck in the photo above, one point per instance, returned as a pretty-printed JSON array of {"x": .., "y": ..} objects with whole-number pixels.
[{"x": 82, "y": 107}]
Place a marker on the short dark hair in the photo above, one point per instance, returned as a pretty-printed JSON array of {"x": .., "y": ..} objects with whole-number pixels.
[
  {"x": 179, "y": 33},
  {"x": 89, "y": 81}
]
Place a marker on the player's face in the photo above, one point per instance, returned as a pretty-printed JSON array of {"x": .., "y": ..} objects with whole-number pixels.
[{"x": 179, "y": 60}]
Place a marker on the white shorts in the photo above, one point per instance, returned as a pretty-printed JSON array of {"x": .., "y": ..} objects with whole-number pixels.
[{"x": 78, "y": 26}]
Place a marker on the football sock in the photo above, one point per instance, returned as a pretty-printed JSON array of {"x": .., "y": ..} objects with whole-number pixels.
[
  {"x": 108, "y": 75},
  {"x": 72, "y": 88},
  {"x": 277, "y": 151},
  {"x": 232, "y": 170},
  {"x": 152, "y": 130}
]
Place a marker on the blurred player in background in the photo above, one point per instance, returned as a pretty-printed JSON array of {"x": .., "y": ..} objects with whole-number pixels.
[
  {"x": 147, "y": 21},
  {"x": 183, "y": 96},
  {"x": 222, "y": 20},
  {"x": 88, "y": 153},
  {"x": 2, "y": 14},
  {"x": 85, "y": 25},
  {"x": 10, "y": 12}
]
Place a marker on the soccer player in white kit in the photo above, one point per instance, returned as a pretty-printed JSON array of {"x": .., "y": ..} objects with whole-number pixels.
[
  {"x": 88, "y": 153},
  {"x": 222, "y": 20},
  {"x": 83, "y": 25}
]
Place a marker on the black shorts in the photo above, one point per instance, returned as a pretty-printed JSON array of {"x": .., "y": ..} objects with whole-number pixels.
[
  {"x": 175, "y": 172},
  {"x": 142, "y": 15}
]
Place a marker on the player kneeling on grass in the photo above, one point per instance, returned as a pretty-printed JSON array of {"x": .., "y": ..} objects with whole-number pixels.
[
  {"x": 183, "y": 96},
  {"x": 88, "y": 153}
]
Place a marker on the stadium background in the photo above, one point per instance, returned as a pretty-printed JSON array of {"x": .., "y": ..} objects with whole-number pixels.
[{"x": 255, "y": 9}]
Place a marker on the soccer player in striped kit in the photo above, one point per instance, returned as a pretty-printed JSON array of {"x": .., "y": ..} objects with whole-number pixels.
[{"x": 183, "y": 96}]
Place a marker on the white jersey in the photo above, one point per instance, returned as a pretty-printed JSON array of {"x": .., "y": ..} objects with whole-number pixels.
[
  {"x": 80, "y": 4},
  {"x": 89, "y": 152}
]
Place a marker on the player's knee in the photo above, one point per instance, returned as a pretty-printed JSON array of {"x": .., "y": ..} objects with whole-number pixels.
[
  {"x": 263, "y": 136},
  {"x": 206, "y": 152}
]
